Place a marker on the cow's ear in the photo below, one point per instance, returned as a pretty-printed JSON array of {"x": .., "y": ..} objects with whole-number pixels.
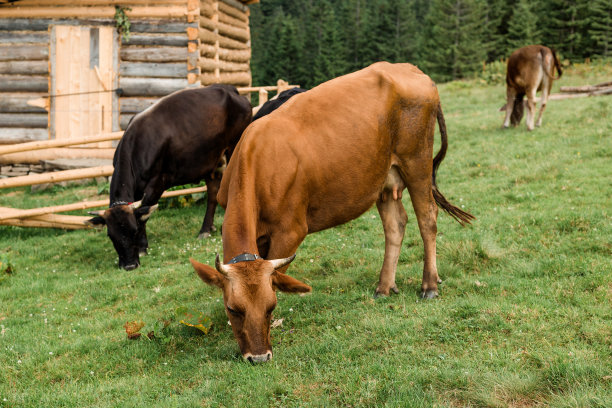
[
  {"x": 143, "y": 213},
  {"x": 97, "y": 221},
  {"x": 208, "y": 274},
  {"x": 286, "y": 283}
]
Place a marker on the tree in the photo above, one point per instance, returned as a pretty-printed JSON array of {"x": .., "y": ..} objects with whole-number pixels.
[
  {"x": 523, "y": 26},
  {"x": 600, "y": 29},
  {"x": 454, "y": 47}
]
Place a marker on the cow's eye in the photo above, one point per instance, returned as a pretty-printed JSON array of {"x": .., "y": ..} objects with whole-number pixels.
[{"x": 234, "y": 312}]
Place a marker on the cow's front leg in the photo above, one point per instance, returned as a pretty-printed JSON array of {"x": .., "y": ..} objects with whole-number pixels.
[
  {"x": 394, "y": 219},
  {"x": 212, "y": 187},
  {"x": 143, "y": 242}
]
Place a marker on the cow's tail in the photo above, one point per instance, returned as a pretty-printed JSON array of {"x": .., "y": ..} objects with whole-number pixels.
[
  {"x": 457, "y": 213},
  {"x": 518, "y": 109},
  {"x": 557, "y": 63}
]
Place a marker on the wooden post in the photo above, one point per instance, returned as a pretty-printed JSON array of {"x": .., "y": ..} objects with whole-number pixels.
[
  {"x": 57, "y": 176},
  {"x": 263, "y": 96},
  {"x": 215, "y": 20},
  {"x": 11, "y": 213},
  {"x": 46, "y": 144}
]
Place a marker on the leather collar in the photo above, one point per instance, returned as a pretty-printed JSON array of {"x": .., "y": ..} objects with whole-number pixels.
[{"x": 243, "y": 258}]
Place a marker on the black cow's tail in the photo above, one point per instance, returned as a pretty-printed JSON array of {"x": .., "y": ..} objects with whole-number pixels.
[
  {"x": 518, "y": 109},
  {"x": 557, "y": 63},
  {"x": 457, "y": 213}
]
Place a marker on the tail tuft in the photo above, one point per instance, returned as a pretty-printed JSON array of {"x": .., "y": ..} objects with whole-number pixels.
[{"x": 457, "y": 213}]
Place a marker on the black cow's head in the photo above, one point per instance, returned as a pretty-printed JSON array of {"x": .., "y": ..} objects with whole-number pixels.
[{"x": 125, "y": 225}]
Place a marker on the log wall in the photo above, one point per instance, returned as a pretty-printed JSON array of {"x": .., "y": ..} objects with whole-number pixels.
[
  {"x": 224, "y": 43},
  {"x": 173, "y": 44}
]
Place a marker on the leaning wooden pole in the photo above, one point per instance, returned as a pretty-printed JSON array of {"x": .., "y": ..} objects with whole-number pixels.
[
  {"x": 57, "y": 176},
  {"x": 47, "y": 144},
  {"x": 6, "y": 214}
]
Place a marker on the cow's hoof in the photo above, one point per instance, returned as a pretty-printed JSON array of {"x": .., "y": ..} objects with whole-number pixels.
[
  {"x": 204, "y": 235},
  {"x": 429, "y": 294},
  {"x": 381, "y": 293}
]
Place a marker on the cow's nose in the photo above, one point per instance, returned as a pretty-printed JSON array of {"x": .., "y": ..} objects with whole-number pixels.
[
  {"x": 261, "y": 358},
  {"x": 130, "y": 266}
]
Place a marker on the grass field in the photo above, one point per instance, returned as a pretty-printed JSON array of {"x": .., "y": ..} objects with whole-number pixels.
[{"x": 524, "y": 317}]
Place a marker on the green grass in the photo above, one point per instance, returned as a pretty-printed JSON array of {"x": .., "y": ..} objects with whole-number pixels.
[{"x": 524, "y": 317}]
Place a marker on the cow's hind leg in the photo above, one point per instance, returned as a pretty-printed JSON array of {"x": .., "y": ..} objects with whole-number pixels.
[
  {"x": 213, "y": 181},
  {"x": 510, "y": 100},
  {"x": 426, "y": 210},
  {"x": 546, "y": 85},
  {"x": 394, "y": 218}
]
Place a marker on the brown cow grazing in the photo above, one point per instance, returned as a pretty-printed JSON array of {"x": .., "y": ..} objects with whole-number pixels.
[
  {"x": 320, "y": 160},
  {"x": 530, "y": 69}
]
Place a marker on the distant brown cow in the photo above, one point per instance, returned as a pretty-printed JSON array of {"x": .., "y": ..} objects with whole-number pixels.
[
  {"x": 530, "y": 69},
  {"x": 322, "y": 159}
]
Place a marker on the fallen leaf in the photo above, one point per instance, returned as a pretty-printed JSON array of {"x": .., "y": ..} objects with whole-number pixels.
[
  {"x": 277, "y": 323},
  {"x": 194, "y": 318},
  {"x": 133, "y": 329}
]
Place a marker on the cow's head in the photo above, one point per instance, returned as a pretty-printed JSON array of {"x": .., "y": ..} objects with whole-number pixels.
[
  {"x": 125, "y": 225},
  {"x": 249, "y": 297}
]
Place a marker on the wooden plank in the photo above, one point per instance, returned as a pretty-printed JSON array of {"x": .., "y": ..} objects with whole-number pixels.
[
  {"x": 24, "y": 120},
  {"x": 24, "y": 67},
  {"x": 21, "y": 135},
  {"x": 44, "y": 224},
  {"x": 23, "y": 37},
  {"x": 150, "y": 87},
  {"x": 25, "y": 147},
  {"x": 234, "y": 12},
  {"x": 10, "y": 52},
  {"x": 18, "y": 103},
  {"x": 85, "y": 3},
  {"x": 154, "y": 69},
  {"x": 83, "y": 205},
  {"x": 154, "y": 54},
  {"x": 50, "y": 154},
  {"x": 136, "y": 105},
  {"x": 56, "y": 177},
  {"x": 165, "y": 12},
  {"x": 24, "y": 83},
  {"x": 160, "y": 26},
  {"x": 165, "y": 39}
]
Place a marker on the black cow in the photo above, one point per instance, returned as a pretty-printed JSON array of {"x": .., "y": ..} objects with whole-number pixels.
[
  {"x": 273, "y": 104},
  {"x": 181, "y": 139}
]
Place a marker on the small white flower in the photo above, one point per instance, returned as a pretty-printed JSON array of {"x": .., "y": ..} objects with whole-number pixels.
[
  {"x": 50, "y": 353},
  {"x": 91, "y": 372},
  {"x": 18, "y": 361},
  {"x": 291, "y": 309},
  {"x": 60, "y": 336}
]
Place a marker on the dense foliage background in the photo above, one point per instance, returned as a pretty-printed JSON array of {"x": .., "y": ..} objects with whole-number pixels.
[{"x": 308, "y": 42}]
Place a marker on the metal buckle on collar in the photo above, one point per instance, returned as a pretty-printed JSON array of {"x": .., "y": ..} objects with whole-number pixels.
[
  {"x": 243, "y": 258},
  {"x": 116, "y": 203}
]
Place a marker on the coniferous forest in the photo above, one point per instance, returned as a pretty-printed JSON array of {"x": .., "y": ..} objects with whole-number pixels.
[{"x": 308, "y": 42}]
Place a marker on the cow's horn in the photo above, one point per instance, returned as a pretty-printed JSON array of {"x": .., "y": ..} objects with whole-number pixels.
[
  {"x": 136, "y": 205},
  {"x": 279, "y": 263},
  {"x": 221, "y": 267},
  {"x": 98, "y": 213}
]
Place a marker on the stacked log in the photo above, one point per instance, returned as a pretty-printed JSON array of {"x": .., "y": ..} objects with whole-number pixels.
[
  {"x": 24, "y": 70},
  {"x": 225, "y": 43},
  {"x": 568, "y": 92}
]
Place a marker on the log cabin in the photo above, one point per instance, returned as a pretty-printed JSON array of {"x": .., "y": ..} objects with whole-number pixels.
[{"x": 73, "y": 68}]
